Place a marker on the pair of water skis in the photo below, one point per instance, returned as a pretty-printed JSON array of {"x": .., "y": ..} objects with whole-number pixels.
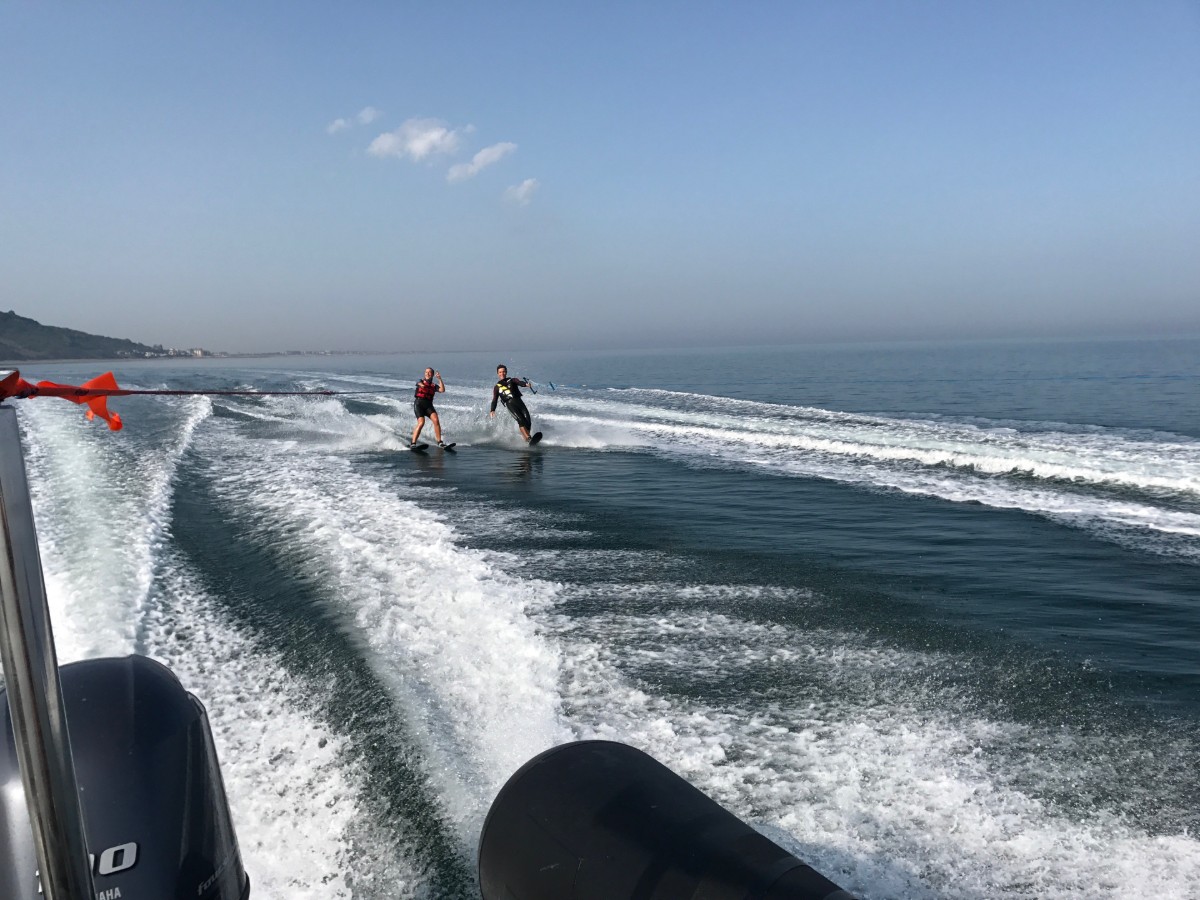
[{"x": 421, "y": 448}]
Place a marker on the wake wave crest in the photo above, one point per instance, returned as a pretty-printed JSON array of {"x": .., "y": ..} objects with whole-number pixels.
[{"x": 1136, "y": 487}]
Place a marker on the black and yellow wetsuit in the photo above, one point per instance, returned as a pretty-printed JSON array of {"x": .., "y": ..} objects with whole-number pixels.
[{"x": 508, "y": 392}]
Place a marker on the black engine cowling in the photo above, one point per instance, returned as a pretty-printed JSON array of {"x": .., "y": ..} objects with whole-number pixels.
[
  {"x": 155, "y": 811},
  {"x": 599, "y": 820}
]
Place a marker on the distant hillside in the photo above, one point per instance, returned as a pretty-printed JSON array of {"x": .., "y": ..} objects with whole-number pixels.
[{"x": 25, "y": 339}]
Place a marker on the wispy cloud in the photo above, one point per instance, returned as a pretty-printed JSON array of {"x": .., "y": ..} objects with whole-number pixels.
[
  {"x": 425, "y": 139},
  {"x": 417, "y": 139},
  {"x": 366, "y": 116},
  {"x": 480, "y": 161},
  {"x": 521, "y": 194}
]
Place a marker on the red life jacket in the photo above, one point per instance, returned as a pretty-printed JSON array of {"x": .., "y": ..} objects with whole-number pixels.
[{"x": 425, "y": 389}]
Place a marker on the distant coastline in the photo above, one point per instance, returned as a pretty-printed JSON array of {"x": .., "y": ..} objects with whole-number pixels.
[{"x": 26, "y": 340}]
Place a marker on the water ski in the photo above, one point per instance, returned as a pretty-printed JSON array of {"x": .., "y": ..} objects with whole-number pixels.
[
  {"x": 418, "y": 448},
  {"x": 450, "y": 446},
  {"x": 534, "y": 438}
]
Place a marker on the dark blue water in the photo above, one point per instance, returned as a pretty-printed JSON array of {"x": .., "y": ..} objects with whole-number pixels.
[{"x": 929, "y": 615}]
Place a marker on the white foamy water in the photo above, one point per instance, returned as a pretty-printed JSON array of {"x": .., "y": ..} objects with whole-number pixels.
[
  {"x": 102, "y": 507},
  {"x": 296, "y": 803},
  {"x": 447, "y": 630}
]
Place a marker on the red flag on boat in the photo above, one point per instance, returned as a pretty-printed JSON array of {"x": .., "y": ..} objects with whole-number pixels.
[
  {"x": 93, "y": 394},
  {"x": 97, "y": 404}
]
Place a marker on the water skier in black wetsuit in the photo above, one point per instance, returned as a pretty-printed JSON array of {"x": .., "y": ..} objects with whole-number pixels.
[
  {"x": 423, "y": 405},
  {"x": 508, "y": 391}
]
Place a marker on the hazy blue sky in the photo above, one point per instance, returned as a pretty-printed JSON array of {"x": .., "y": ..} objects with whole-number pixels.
[{"x": 394, "y": 175}]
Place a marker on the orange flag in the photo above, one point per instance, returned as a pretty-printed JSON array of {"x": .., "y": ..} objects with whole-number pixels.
[
  {"x": 93, "y": 394},
  {"x": 97, "y": 404}
]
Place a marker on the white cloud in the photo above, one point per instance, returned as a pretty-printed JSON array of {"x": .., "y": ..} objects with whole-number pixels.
[
  {"x": 522, "y": 193},
  {"x": 416, "y": 139},
  {"x": 366, "y": 116},
  {"x": 480, "y": 161}
]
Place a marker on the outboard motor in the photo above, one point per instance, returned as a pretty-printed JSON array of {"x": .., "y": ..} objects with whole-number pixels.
[
  {"x": 599, "y": 820},
  {"x": 155, "y": 812}
]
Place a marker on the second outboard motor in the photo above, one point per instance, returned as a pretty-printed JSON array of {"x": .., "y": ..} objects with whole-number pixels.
[
  {"x": 599, "y": 820},
  {"x": 155, "y": 812}
]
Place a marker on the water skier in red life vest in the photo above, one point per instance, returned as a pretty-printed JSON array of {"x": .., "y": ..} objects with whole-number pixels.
[
  {"x": 507, "y": 391},
  {"x": 423, "y": 405}
]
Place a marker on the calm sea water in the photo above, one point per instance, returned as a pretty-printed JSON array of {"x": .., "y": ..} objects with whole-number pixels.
[{"x": 927, "y": 615}]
